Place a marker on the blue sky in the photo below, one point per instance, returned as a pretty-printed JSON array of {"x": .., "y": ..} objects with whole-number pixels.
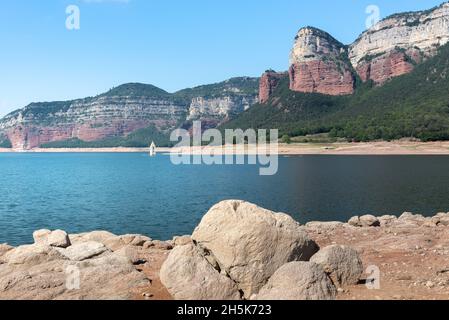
[{"x": 172, "y": 44}]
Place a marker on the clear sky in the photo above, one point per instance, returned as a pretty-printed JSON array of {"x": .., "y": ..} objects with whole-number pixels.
[{"x": 172, "y": 44}]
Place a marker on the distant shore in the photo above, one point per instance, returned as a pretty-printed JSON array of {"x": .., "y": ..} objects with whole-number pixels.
[{"x": 368, "y": 148}]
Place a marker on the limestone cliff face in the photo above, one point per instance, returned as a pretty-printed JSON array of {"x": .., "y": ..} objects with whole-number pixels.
[
  {"x": 393, "y": 46},
  {"x": 126, "y": 109},
  {"x": 318, "y": 63},
  {"x": 89, "y": 119},
  {"x": 268, "y": 83},
  {"x": 217, "y": 110}
]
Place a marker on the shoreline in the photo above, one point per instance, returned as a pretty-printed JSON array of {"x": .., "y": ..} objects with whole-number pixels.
[
  {"x": 295, "y": 149},
  {"x": 410, "y": 252}
]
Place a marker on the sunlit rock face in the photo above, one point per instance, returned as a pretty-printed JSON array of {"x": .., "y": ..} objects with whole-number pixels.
[
  {"x": 319, "y": 63},
  {"x": 396, "y": 44}
]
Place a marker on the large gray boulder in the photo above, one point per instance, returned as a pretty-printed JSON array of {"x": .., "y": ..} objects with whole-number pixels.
[
  {"x": 298, "y": 281},
  {"x": 250, "y": 243},
  {"x": 190, "y": 273},
  {"x": 341, "y": 263}
]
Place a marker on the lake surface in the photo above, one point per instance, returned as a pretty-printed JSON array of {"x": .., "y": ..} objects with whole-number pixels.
[{"x": 134, "y": 193}]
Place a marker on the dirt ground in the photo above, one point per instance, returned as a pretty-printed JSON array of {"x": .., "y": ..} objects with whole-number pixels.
[{"x": 412, "y": 256}]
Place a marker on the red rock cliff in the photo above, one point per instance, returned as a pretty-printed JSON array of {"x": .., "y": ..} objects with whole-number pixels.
[
  {"x": 319, "y": 63},
  {"x": 268, "y": 83}
]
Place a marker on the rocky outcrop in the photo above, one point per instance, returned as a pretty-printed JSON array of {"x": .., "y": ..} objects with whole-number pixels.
[
  {"x": 214, "y": 111},
  {"x": 410, "y": 252},
  {"x": 86, "y": 269},
  {"x": 89, "y": 119},
  {"x": 127, "y": 109},
  {"x": 268, "y": 83},
  {"x": 57, "y": 238},
  {"x": 319, "y": 63},
  {"x": 251, "y": 243},
  {"x": 298, "y": 281},
  {"x": 341, "y": 263},
  {"x": 393, "y": 46}
]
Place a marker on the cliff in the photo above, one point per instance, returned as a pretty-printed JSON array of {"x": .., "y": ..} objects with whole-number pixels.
[
  {"x": 394, "y": 45},
  {"x": 319, "y": 63},
  {"x": 268, "y": 83},
  {"x": 113, "y": 116}
]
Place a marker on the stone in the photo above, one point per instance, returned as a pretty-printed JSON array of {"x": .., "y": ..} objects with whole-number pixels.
[
  {"x": 364, "y": 221},
  {"x": 104, "y": 278},
  {"x": 83, "y": 250},
  {"x": 268, "y": 83},
  {"x": 343, "y": 264},
  {"x": 324, "y": 226},
  {"x": 58, "y": 238},
  {"x": 97, "y": 236},
  {"x": 182, "y": 240},
  {"x": 188, "y": 275},
  {"x": 157, "y": 244},
  {"x": 354, "y": 221},
  {"x": 40, "y": 236},
  {"x": 134, "y": 239},
  {"x": 387, "y": 220},
  {"x": 298, "y": 281},
  {"x": 369, "y": 221},
  {"x": 31, "y": 255},
  {"x": 251, "y": 243}
]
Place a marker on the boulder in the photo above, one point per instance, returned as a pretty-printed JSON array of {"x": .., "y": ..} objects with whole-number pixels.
[
  {"x": 369, "y": 221},
  {"x": 134, "y": 239},
  {"x": 97, "y": 236},
  {"x": 354, "y": 221},
  {"x": 58, "y": 238},
  {"x": 83, "y": 250},
  {"x": 387, "y": 220},
  {"x": 298, "y": 281},
  {"x": 110, "y": 277},
  {"x": 40, "y": 236},
  {"x": 188, "y": 275},
  {"x": 251, "y": 243},
  {"x": 341, "y": 263},
  {"x": 31, "y": 255},
  {"x": 364, "y": 221},
  {"x": 182, "y": 240}
]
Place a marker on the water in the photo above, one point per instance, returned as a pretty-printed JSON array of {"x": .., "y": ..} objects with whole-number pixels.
[{"x": 134, "y": 193}]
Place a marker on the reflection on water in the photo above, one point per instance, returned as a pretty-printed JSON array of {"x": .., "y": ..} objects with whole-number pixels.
[{"x": 135, "y": 193}]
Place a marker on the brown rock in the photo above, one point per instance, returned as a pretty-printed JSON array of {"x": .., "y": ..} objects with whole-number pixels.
[
  {"x": 268, "y": 83},
  {"x": 319, "y": 63}
]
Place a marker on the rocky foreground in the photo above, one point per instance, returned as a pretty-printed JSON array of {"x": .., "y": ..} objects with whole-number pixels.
[{"x": 239, "y": 251}]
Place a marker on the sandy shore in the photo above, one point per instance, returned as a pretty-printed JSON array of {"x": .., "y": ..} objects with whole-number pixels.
[{"x": 371, "y": 148}]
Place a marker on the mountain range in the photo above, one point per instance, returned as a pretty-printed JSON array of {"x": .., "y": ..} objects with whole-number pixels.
[{"x": 391, "y": 82}]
